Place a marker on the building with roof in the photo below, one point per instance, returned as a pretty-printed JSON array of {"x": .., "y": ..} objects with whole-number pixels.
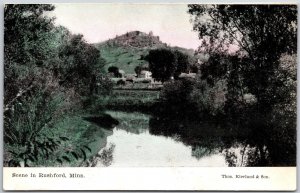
[{"x": 145, "y": 74}]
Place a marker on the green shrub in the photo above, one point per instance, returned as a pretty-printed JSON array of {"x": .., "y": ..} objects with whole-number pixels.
[
  {"x": 209, "y": 98},
  {"x": 24, "y": 124}
]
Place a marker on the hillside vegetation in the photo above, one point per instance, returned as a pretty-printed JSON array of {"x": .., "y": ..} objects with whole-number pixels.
[{"x": 128, "y": 50}]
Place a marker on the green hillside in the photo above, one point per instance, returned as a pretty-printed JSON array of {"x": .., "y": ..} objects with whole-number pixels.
[
  {"x": 126, "y": 51},
  {"x": 123, "y": 58}
]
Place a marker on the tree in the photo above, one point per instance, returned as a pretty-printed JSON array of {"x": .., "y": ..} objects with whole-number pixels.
[
  {"x": 138, "y": 70},
  {"x": 32, "y": 97},
  {"x": 162, "y": 64},
  {"x": 262, "y": 33},
  {"x": 182, "y": 63},
  {"x": 25, "y": 28},
  {"x": 167, "y": 63},
  {"x": 47, "y": 71},
  {"x": 80, "y": 64},
  {"x": 23, "y": 24},
  {"x": 115, "y": 71},
  {"x": 253, "y": 48}
]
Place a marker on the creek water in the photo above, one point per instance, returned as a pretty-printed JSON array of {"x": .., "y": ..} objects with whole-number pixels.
[{"x": 135, "y": 144}]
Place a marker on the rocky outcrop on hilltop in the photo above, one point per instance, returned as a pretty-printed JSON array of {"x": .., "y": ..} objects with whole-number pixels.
[{"x": 137, "y": 39}]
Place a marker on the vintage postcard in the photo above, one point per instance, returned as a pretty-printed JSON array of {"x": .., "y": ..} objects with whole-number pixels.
[{"x": 120, "y": 96}]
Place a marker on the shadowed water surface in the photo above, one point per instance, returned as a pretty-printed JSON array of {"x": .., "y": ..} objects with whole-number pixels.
[
  {"x": 136, "y": 144},
  {"x": 143, "y": 140}
]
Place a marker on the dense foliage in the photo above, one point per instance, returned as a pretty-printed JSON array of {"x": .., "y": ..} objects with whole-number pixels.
[
  {"x": 115, "y": 71},
  {"x": 166, "y": 63},
  {"x": 261, "y": 33},
  {"x": 252, "y": 49},
  {"x": 248, "y": 82},
  {"x": 48, "y": 71}
]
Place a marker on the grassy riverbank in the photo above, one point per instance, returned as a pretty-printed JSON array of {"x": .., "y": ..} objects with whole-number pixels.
[
  {"x": 83, "y": 136},
  {"x": 126, "y": 100},
  {"x": 77, "y": 140},
  {"x": 74, "y": 138}
]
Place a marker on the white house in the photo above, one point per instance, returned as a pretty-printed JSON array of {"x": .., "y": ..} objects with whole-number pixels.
[
  {"x": 122, "y": 73},
  {"x": 145, "y": 74}
]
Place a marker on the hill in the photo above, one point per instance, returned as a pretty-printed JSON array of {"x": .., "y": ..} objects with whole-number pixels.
[{"x": 128, "y": 50}]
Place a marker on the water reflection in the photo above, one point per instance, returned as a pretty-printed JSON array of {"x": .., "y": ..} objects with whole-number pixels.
[
  {"x": 145, "y": 149},
  {"x": 241, "y": 146},
  {"x": 131, "y": 122},
  {"x": 134, "y": 144},
  {"x": 143, "y": 140}
]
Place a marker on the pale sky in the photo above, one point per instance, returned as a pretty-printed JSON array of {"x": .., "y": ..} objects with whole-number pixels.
[{"x": 99, "y": 22}]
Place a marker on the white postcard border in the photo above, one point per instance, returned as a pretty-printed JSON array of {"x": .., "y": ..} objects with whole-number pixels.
[{"x": 151, "y": 178}]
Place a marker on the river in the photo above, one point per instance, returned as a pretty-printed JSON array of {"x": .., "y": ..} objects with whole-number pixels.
[
  {"x": 135, "y": 144},
  {"x": 161, "y": 140}
]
